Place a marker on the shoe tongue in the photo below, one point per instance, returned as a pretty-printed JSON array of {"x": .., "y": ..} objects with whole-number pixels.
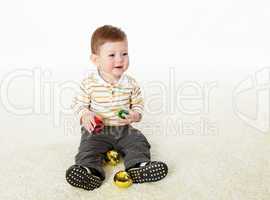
[
  {"x": 143, "y": 164},
  {"x": 87, "y": 169}
]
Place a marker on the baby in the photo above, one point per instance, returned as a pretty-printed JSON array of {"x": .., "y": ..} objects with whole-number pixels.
[{"x": 103, "y": 93}]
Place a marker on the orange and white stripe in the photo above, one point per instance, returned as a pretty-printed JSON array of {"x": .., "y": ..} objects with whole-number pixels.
[{"x": 106, "y": 99}]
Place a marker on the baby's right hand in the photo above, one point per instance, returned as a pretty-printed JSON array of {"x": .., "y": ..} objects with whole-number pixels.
[{"x": 88, "y": 120}]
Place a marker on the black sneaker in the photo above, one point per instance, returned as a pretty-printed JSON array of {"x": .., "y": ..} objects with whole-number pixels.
[
  {"x": 81, "y": 177},
  {"x": 151, "y": 172}
]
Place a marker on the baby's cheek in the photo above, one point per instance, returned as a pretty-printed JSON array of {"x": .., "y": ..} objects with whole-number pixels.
[
  {"x": 110, "y": 64},
  {"x": 110, "y": 68}
]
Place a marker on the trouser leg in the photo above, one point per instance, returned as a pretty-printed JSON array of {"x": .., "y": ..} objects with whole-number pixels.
[
  {"x": 92, "y": 149},
  {"x": 134, "y": 147}
]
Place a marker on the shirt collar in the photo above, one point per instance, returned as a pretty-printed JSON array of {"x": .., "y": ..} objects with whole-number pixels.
[{"x": 101, "y": 80}]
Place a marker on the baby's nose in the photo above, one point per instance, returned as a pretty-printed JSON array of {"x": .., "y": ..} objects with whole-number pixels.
[{"x": 119, "y": 58}]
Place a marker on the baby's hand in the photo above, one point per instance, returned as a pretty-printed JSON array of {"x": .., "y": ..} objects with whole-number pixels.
[
  {"x": 133, "y": 116},
  {"x": 88, "y": 121}
]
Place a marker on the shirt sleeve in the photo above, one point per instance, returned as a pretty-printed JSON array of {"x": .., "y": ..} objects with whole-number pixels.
[
  {"x": 137, "y": 102},
  {"x": 81, "y": 103}
]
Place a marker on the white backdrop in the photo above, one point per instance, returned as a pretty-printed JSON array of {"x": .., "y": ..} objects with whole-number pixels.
[
  {"x": 169, "y": 33},
  {"x": 45, "y": 46}
]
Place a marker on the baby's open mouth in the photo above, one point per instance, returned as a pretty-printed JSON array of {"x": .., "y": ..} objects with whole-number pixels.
[{"x": 118, "y": 67}]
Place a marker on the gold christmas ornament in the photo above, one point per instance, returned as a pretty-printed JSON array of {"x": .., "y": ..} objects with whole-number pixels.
[
  {"x": 112, "y": 157},
  {"x": 122, "y": 179}
]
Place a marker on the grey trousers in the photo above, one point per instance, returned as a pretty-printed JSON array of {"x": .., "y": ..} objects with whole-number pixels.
[{"x": 128, "y": 141}]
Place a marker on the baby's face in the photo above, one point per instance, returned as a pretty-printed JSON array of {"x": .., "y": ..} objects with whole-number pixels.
[{"x": 113, "y": 59}]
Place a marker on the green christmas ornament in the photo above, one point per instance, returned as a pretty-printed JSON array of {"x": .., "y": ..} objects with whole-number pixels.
[{"x": 122, "y": 114}]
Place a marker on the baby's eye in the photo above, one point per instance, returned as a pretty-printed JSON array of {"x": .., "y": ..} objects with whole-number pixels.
[
  {"x": 125, "y": 54},
  {"x": 111, "y": 55}
]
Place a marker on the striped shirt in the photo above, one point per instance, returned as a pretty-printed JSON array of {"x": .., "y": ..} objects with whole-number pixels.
[{"x": 105, "y": 99}]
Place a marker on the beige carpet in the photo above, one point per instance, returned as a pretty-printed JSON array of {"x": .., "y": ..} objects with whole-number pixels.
[{"x": 229, "y": 162}]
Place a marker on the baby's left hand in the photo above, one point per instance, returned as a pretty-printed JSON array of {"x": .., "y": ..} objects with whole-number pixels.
[{"x": 133, "y": 116}]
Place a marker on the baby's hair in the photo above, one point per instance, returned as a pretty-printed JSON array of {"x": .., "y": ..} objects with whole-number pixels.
[{"x": 106, "y": 33}]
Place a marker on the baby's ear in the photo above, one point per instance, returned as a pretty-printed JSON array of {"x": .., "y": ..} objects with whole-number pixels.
[{"x": 94, "y": 58}]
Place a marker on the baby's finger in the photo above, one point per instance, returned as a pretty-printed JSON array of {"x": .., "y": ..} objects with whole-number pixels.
[
  {"x": 87, "y": 124},
  {"x": 124, "y": 121},
  {"x": 87, "y": 128},
  {"x": 90, "y": 127},
  {"x": 129, "y": 117},
  {"x": 93, "y": 123}
]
